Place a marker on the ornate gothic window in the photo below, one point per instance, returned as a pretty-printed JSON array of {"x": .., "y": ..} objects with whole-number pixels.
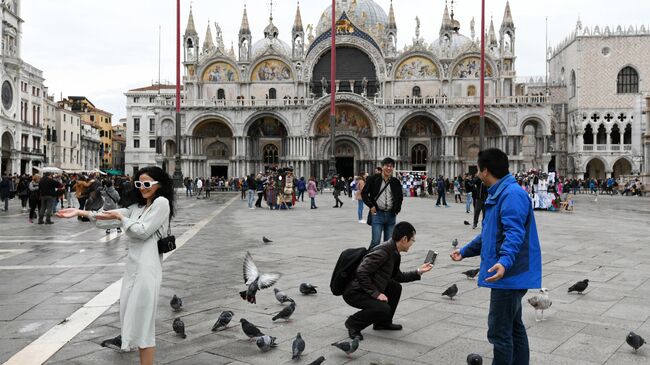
[
  {"x": 627, "y": 81},
  {"x": 270, "y": 153},
  {"x": 573, "y": 83},
  {"x": 627, "y": 135},
  {"x": 221, "y": 94},
  {"x": 272, "y": 93},
  {"x": 218, "y": 150},
  {"x": 588, "y": 136},
  {"x": 419, "y": 154}
]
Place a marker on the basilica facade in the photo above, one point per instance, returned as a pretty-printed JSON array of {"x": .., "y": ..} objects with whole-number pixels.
[{"x": 266, "y": 103}]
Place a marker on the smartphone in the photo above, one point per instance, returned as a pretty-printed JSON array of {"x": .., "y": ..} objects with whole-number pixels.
[{"x": 431, "y": 257}]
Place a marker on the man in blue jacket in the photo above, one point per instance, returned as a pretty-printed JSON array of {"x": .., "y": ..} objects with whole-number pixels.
[{"x": 511, "y": 259}]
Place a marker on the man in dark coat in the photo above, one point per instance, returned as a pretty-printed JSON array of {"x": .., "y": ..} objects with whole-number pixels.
[
  {"x": 383, "y": 196},
  {"x": 376, "y": 289},
  {"x": 47, "y": 190},
  {"x": 5, "y": 191}
]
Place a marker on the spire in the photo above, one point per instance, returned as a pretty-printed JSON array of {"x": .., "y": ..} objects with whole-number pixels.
[
  {"x": 191, "y": 29},
  {"x": 446, "y": 20},
  {"x": 492, "y": 37},
  {"x": 208, "y": 44},
  {"x": 244, "y": 29},
  {"x": 271, "y": 31},
  {"x": 507, "y": 16},
  {"x": 392, "y": 24},
  {"x": 297, "y": 23}
]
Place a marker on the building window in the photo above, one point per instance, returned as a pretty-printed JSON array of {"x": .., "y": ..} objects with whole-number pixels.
[
  {"x": 92, "y": 118},
  {"x": 419, "y": 155},
  {"x": 272, "y": 93},
  {"x": 270, "y": 153},
  {"x": 152, "y": 143},
  {"x": 627, "y": 81},
  {"x": 136, "y": 124},
  {"x": 136, "y": 99},
  {"x": 221, "y": 94},
  {"x": 627, "y": 135},
  {"x": 136, "y": 143},
  {"x": 573, "y": 83},
  {"x": 471, "y": 90},
  {"x": 152, "y": 125},
  {"x": 416, "y": 92},
  {"x": 588, "y": 136}
]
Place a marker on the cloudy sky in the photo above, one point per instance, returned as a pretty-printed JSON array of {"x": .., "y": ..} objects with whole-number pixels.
[{"x": 101, "y": 49}]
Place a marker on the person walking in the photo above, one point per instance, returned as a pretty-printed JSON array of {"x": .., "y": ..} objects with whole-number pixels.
[
  {"x": 301, "y": 185},
  {"x": 250, "y": 190},
  {"x": 457, "y": 197},
  {"x": 382, "y": 193},
  {"x": 23, "y": 191},
  {"x": 361, "y": 182},
  {"x": 480, "y": 194},
  {"x": 511, "y": 258},
  {"x": 259, "y": 188},
  {"x": 469, "y": 188},
  {"x": 312, "y": 190},
  {"x": 148, "y": 211},
  {"x": 441, "y": 190},
  {"x": 199, "y": 187},
  {"x": 208, "y": 187},
  {"x": 47, "y": 191},
  {"x": 111, "y": 197},
  {"x": 339, "y": 187},
  {"x": 5, "y": 191},
  {"x": 34, "y": 198}
]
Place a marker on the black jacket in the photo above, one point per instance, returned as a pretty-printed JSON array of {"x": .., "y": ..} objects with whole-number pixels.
[
  {"x": 380, "y": 266},
  {"x": 372, "y": 188},
  {"x": 47, "y": 187}
]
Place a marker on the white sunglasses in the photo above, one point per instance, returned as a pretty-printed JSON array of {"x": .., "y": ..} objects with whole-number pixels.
[{"x": 145, "y": 184}]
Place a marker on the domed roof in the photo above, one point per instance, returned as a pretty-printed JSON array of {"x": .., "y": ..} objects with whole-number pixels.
[
  {"x": 357, "y": 10},
  {"x": 271, "y": 42},
  {"x": 450, "y": 45}
]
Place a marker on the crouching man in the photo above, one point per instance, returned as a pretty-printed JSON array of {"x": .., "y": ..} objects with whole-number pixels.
[{"x": 376, "y": 288}]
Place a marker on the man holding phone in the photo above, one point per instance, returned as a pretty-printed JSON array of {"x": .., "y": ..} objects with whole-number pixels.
[
  {"x": 511, "y": 258},
  {"x": 376, "y": 289}
]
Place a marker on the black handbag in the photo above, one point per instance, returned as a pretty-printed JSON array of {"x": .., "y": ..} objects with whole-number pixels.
[
  {"x": 166, "y": 244},
  {"x": 369, "y": 219}
]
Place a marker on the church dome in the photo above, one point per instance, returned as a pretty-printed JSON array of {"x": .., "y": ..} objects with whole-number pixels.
[
  {"x": 450, "y": 45},
  {"x": 271, "y": 43},
  {"x": 357, "y": 10}
]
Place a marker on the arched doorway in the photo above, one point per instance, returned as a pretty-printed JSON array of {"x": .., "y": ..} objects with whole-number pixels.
[
  {"x": 424, "y": 131},
  {"x": 267, "y": 143},
  {"x": 355, "y": 69},
  {"x": 621, "y": 167},
  {"x": 595, "y": 169},
  {"x": 532, "y": 145},
  {"x": 7, "y": 146},
  {"x": 468, "y": 141},
  {"x": 345, "y": 153},
  {"x": 212, "y": 141}
]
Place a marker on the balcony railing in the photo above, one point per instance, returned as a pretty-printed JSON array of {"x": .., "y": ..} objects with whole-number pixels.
[
  {"x": 469, "y": 100},
  {"x": 241, "y": 103},
  {"x": 606, "y": 148}
]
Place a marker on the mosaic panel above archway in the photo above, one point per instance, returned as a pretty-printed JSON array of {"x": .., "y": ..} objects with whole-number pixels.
[
  {"x": 267, "y": 127},
  {"x": 271, "y": 70},
  {"x": 348, "y": 119},
  {"x": 416, "y": 68},
  {"x": 470, "y": 68},
  {"x": 220, "y": 72},
  {"x": 420, "y": 127}
]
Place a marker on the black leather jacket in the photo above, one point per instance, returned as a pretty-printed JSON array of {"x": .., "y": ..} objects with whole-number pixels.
[{"x": 372, "y": 188}]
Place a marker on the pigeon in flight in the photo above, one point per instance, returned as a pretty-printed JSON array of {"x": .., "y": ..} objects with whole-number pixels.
[
  {"x": 307, "y": 289},
  {"x": 471, "y": 274},
  {"x": 579, "y": 287},
  {"x": 285, "y": 313},
  {"x": 266, "y": 240},
  {"x": 281, "y": 296},
  {"x": 176, "y": 303},
  {"x": 634, "y": 340},
  {"x": 454, "y": 243},
  {"x": 179, "y": 327},
  {"x": 265, "y": 343},
  {"x": 255, "y": 280},
  {"x": 348, "y": 346},
  {"x": 474, "y": 359},
  {"x": 451, "y": 291},
  {"x": 540, "y": 302},
  {"x": 250, "y": 329},
  {"x": 224, "y": 318},
  {"x": 297, "y": 347},
  {"x": 318, "y": 361}
]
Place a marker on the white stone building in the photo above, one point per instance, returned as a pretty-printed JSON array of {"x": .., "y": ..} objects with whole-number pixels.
[
  {"x": 91, "y": 151},
  {"x": 599, "y": 79},
  {"x": 267, "y": 103},
  {"x": 22, "y": 96},
  {"x": 67, "y": 155}
]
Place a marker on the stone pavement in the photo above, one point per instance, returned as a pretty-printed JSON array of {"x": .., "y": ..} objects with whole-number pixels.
[{"x": 48, "y": 272}]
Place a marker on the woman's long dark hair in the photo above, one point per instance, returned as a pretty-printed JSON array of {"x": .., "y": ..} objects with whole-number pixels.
[{"x": 166, "y": 189}]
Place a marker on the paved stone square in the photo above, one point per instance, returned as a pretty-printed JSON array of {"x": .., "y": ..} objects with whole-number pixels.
[{"x": 49, "y": 272}]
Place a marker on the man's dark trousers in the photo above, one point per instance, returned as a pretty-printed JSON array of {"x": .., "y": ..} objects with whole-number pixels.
[
  {"x": 441, "y": 194},
  {"x": 506, "y": 330},
  {"x": 479, "y": 207},
  {"x": 373, "y": 310}
]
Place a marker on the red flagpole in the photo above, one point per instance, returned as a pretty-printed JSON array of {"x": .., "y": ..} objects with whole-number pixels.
[
  {"x": 178, "y": 173},
  {"x": 482, "y": 88},
  {"x": 332, "y": 162}
]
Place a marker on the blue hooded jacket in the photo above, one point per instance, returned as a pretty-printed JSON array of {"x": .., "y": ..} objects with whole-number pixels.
[{"x": 508, "y": 237}]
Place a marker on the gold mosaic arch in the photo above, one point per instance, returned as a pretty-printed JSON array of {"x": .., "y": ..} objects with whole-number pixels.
[
  {"x": 417, "y": 68},
  {"x": 348, "y": 119},
  {"x": 470, "y": 68},
  {"x": 220, "y": 72},
  {"x": 271, "y": 70}
]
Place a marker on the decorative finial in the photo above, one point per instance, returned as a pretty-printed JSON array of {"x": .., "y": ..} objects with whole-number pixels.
[
  {"x": 271, "y": 6},
  {"x": 452, "y": 9}
]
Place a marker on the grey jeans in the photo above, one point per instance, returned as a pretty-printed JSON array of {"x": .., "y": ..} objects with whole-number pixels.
[{"x": 47, "y": 203}]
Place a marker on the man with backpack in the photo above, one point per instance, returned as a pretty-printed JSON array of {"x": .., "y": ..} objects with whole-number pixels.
[{"x": 376, "y": 288}]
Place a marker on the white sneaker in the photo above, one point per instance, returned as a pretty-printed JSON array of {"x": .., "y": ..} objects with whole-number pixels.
[{"x": 362, "y": 221}]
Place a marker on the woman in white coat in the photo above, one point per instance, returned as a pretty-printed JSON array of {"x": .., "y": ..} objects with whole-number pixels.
[{"x": 146, "y": 218}]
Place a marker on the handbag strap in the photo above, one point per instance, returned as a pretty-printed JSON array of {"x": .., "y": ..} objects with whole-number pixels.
[{"x": 382, "y": 190}]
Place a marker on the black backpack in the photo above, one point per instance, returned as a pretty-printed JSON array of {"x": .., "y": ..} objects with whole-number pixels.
[{"x": 346, "y": 269}]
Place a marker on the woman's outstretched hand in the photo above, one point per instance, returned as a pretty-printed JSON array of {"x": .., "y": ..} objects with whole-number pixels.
[
  {"x": 67, "y": 213},
  {"x": 109, "y": 215}
]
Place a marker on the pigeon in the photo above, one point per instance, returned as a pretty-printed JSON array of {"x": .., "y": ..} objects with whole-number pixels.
[
  {"x": 113, "y": 343},
  {"x": 285, "y": 313},
  {"x": 467, "y": 223},
  {"x": 471, "y": 274},
  {"x": 281, "y": 296},
  {"x": 348, "y": 346},
  {"x": 249, "y": 329},
  {"x": 224, "y": 318},
  {"x": 318, "y": 361},
  {"x": 297, "y": 347},
  {"x": 176, "y": 303},
  {"x": 454, "y": 243},
  {"x": 634, "y": 340},
  {"x": 265, "y": 343},
  {"x": 255, "y": 280},
  {"x": 266, "y": 240},
  {"x": 179, "y": 327},
  {"x": 540, "y": 302},
  {"x": 474, "y": 359},
  {"x": 580, "y": 286},
  {"x": 451, "y": 291},
  {"x": 307, "y": 288}
]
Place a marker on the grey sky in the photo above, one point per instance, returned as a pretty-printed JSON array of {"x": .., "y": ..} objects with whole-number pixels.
[{"x": 100, "y": 49}]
